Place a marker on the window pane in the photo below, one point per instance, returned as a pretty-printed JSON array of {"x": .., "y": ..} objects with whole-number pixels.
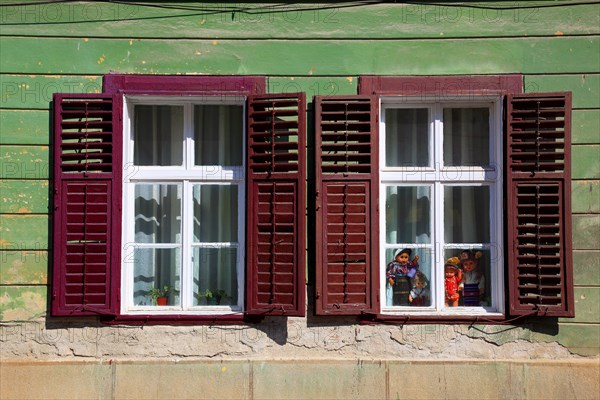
[
  {"x": 156, "y": 269},
  {"x": 158, "y": 135},
  {"x": 408, "y": 278},
  {"x": 215, "y": 276},
  {"x": 157, "y": 213},
  {"x": 467, "y": 214},
  {"x": 475, "y": 286},
  {"x": 406, "y": 137},
  {"x": 215, "y": 213},
  {"x": 466, "y": 137},
  {"x": 408, "y": 214},
  {"x": 218, "y": 134}
]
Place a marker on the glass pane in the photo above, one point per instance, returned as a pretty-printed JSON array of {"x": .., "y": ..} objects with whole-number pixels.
[
  {"x": 474, "y": 288},
  {"x": 218, "y": 134},
  {"x": 215, "y": 276},
  {"x": 408, "y": 210},
  {"x": 406, "y": 137},
  {"x": 467, "y": 214},
  {"x": 408, "y": 277},
  {"x": 466, "y": 137},
  {"x": 157, "y": 213},
  {"x": 156, "y": 276},
  {"x": 158, "y": 135},
  {"x": 215, "y": 213}
]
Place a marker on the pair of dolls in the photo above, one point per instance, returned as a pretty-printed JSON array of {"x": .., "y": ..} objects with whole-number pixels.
[
  {"x": 463, "y": 275},
  {"x": 409, "y": 285}
]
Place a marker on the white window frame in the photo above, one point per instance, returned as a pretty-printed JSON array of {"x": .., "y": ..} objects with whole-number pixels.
[
  {"x": 187, "y": 175},
  {"x": 437, "y": 176}
]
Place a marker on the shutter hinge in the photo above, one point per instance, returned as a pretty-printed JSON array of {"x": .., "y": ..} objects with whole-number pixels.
[{"x": 318, "y": 294}]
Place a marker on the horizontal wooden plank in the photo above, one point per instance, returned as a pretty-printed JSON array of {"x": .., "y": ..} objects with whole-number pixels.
[
  {"x": 22, "y": 303},
  {"x": 295, "y": 20},
  {"x": 23, "y": 267},
  {"x": 24, "y": 162},
  {"x": 35, "y": 91},
  {"x": 23, "y": 232},
  {"x": 24, "y": 127},
  {"x": 585, "y": 160},
  {"x": 586, "y": 126},
  {"x": 585, "y": 196},
  {"x": 586, "y": 265},
  {"x": 585, "y": 231},
  {"x": 24, "y": 197},
  {"x": 585, "y": 87},
  {"x": 287, "y": 57}
]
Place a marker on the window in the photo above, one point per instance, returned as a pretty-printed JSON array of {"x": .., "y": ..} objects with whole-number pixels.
[
  {"x": 188, "y": 185},
  {"x": 456, "y": 166},
  {"x": 441, "y": 190},
  {"x": 184, "y": 197}
]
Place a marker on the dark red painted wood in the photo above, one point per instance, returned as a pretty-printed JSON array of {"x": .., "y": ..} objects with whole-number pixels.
[
  {"x": 87, "y": 204},
  {"x": 441, "y": 88},
  {"x": 538, "y": 171},
  {"x": 347, "y": 252},
  {"x": 184, "y": 85},
  {"x": 276, "y": 262}
]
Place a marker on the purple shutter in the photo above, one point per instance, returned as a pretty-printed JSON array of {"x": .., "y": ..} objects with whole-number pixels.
[
  {"x": 276, "y": 259},
  {"x": 539, "y": 204},
  {"x": 347, "y": 245},
  {"x": 87, "y": 204}
]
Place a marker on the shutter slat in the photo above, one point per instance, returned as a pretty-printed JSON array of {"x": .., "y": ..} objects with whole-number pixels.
[
  {"x": 538, "y": 181},
  {"x": 347, "y": 222},
  {"x": 86, "y": 218},
  {"x": 276, "y": 205}
]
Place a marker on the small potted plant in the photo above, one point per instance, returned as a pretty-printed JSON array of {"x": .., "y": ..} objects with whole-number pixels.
[
  {"x": 160, "y": 296},
  {"x": 212, "y": 297}
]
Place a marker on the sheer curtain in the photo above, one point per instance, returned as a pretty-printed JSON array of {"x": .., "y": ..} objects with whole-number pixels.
[
  {"x": 216, "y": 239},
  {"x": 406, "y": 140},
  {"x": 157, "y": 259},
  {"x": 466, "y": 137},
  {"x": 408, "y": 222}
]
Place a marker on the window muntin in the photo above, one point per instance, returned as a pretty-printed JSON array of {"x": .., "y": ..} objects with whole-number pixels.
[
  {"x": 443, "y": 206},
  {"x": 184, "y": 204}
]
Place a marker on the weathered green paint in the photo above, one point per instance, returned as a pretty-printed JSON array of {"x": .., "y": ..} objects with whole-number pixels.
[
  {"x": 24, "y": 127},
  {"x": 586, "y": 196},
  {"x": 586, "y": 265},
  {"x": 585, "y": 231},
  {"x": 24, "y": 197},
  {"x": 586, "y": 126},
  {"x": 297, "y": 21},
  {"x": 286, "y": 57},
  {"x": 35, "y": 92},
  {"x": 585, "y": 162},
  {"x": 582, "y": 339},
  {"x": 586, "y": 86},
  {"x": 23, "y": 267},
  {"x": 22, "y": 303},
  {"x": 23, "y": 232},
  {"x": 24, "y": 162},
  {"x": 313, "y": 86},
  {"x": 586, "y": 305}
]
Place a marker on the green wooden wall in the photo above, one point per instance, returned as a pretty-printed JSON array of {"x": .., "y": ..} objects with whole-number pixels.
[{"x": 317, "y": 48}]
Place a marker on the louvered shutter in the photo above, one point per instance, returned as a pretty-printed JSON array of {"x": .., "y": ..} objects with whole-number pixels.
[
  {"x": 276, "y": 205},
  {"x": 539, "y": 204},
  {"x": 347, "y": 203},
  {"x": 87, "y": 198}
]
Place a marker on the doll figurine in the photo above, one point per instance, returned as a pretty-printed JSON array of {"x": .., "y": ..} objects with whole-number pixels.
[
  {"x": 398, "y": 274},
  {"x": 473, "y": 281},
  {"x": 419, "y": 295},
  {"x": 453, "y": 277}
]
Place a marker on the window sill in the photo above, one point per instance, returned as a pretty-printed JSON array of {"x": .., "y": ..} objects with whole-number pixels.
[
  {"x": 401, "y": 319},
  {"x": 182, "y": 319}
]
